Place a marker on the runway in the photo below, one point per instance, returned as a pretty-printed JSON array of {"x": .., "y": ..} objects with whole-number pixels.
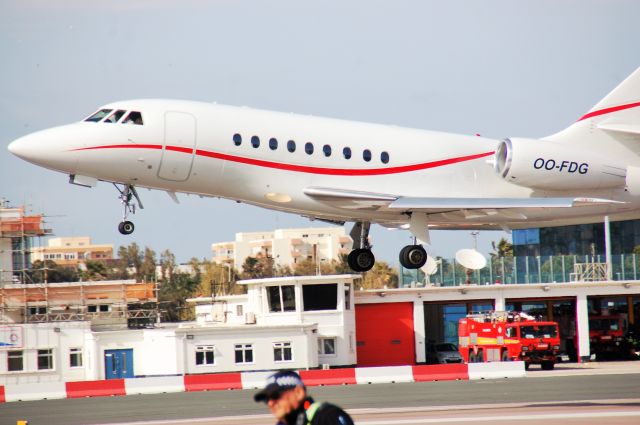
[{"x": 572, "y": 399}]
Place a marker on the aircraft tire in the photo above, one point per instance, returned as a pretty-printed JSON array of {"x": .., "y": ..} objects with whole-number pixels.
[
  {"x": 361, "y": 260},
  {"x": 413, "y": 256},
  {"x": 126, "y": 227}
]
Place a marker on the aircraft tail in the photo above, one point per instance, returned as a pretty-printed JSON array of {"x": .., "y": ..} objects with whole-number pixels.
[{"x": 613, "y": 120}]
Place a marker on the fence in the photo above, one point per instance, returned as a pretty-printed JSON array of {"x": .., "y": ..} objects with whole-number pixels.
[{"x": 523, "y": 270}]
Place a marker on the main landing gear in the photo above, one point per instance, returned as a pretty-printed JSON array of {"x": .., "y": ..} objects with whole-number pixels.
[
  {"x": 127, "y": 193},
  {"x": 361, "y": 259}
]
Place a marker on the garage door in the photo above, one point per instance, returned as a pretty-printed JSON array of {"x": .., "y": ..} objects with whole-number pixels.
[{"x": 385, "y": 335}]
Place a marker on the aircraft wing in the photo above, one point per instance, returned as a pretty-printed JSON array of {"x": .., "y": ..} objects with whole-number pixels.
[{"x": 359, "y": 200}]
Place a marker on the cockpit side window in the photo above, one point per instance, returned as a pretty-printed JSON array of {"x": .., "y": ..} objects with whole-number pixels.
[
  {"x": 98, "y": 116},
  {"x": 134, "y": 117},
  {"x": 115, "y": 117}
]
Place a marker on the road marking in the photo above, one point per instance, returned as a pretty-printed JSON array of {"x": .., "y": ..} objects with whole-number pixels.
[{"x": 528, "y": 417}]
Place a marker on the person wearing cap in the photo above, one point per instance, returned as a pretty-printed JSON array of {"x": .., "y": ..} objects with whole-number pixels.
[{"x": 287, "y": 398}]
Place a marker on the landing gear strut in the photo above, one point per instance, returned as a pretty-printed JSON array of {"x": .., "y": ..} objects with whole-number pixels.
[
  {"x": 127, "y": 193},
  {"x": 361, "y": 259}
]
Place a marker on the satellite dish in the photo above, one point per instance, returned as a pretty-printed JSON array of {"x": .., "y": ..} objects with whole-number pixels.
[
  {"x": 471, "y": 259},
  {"x": 430, "y": 267}
]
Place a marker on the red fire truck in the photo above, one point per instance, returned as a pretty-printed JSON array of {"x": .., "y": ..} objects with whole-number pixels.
[
  {"x": 606, "y": 335},
  {"x": 507, "y": 336}
]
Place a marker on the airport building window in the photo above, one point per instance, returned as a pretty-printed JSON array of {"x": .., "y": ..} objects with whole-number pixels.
[
  {"x": 237, "y": 139},
  {"x": 366, "y": 155},
  {"x": 244, "y": 353},
  {"x": 291, "y": 146},
  {"x": 327, "y": 346},
  {"x": 347, "y": 153},
  {"x": 282, "y": 352},
  {"x": 15, "y": 361},
  {"x": 327, "y": 150},
  {"x": 115, "y": 117},
  {"x": 75, "y": 357},
  {"x": 98, "y": 116},
  {"x": 134, "y": 117},
  {"x": 320, "y": 297},
  {"x": 45, "y": 359},
  {"x": 255, "y": 141},
  {"x": 205, "y": 355},
  {"x": 273, "y": 144},
  {"x": 308, "y": 148},
  {"x": 281, "y": 298},
  {"x": 384, "y": 157}
]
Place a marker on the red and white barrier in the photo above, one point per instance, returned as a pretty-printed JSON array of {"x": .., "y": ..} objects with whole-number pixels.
[
  {"x": 251, "y": 380},
  {"x": 496, "y": 370},
  {"x": 35, "y": 391},
  {"x": 155, "y": 385},
  {"x": 384, "y": 374}
]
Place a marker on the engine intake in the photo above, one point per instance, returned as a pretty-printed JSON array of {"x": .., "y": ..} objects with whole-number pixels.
[{"x": 541, "y": 164}]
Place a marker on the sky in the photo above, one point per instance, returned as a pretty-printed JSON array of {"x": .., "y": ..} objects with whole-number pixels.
[{"x": 495, "y": 68}]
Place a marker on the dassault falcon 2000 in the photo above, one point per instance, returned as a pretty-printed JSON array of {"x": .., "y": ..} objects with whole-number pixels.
[{"x": 342, "y": 171}]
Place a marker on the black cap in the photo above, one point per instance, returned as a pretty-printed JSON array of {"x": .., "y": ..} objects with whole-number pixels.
[{"x": 277, "y": 384}]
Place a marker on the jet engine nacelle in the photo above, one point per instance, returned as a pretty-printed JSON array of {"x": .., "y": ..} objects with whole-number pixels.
[{"x": 541, "y": 164}]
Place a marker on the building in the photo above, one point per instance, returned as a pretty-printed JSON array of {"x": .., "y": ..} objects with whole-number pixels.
[
  {"x": 285, "y": 246},
  {"x": 285, "y": 323},
  {"x": 72, "y": 251},
  {"x": 17, "y": 231},
  {"x": 581, "y": 239}
]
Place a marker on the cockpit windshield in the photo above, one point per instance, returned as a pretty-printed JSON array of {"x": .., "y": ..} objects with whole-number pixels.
[
  {"x": 115, "y": 117},
  {"x": 130, "y": 117},
  {"x": 133, "y": 118},
  {"x": 98, "y": 116}
]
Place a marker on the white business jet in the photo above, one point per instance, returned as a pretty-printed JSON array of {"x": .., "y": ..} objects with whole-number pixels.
[{"x": 339, "y": 171}]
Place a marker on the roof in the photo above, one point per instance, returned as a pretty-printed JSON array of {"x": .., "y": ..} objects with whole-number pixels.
[{"x": 301, "y": 279}]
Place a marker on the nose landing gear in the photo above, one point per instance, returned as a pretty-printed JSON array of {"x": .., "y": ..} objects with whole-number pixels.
[{"x": 127, "y": 193}]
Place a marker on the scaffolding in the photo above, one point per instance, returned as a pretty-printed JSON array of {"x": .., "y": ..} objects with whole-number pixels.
[{"x": 103, "y": 303}]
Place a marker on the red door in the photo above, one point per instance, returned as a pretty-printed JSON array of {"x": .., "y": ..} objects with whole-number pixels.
[{"x": 385, "y": 335}]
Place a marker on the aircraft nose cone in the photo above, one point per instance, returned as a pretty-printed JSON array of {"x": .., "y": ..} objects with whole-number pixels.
[{"x": 20, "y": 148}]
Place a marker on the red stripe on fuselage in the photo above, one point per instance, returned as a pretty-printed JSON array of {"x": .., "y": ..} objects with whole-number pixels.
[
  {"x": 303, "y": 168},
  {"x": 609, "y": 110}
]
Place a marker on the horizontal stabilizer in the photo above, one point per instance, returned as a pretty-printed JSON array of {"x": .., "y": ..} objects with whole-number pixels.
[{"x": 620, "y": 128}]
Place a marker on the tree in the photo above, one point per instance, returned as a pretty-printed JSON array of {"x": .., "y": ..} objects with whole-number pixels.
[
  {"x": 94, "y": 270},
  {"x": 148, "y": 266},
  {"x": 258, "y": 267},
  {"x": 51, "y": 272},
  {"x": 380, "y": 276},
  {"x": 503, "y": 249}
]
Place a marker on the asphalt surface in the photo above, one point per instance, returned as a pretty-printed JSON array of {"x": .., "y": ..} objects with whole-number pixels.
[{"x": 164, "y": 407}]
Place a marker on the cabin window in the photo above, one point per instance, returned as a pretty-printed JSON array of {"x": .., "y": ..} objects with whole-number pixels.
[
  {"x": 291, "y": 146},
  {"x": 255, "y": 141},
  {"x": 134, "y": 117},
  {"x": 347, "y": 153},
  {"x": 384, "y": 157},
  {"x": 308, "y": 148},
  {"x": 115, "y": 117},
  {"x": 366, "y": 155},
  {"x": 320, "y": 297},
  {"x": 98, "y": 116},
  {"x": 327, "y": 150},
  {"x": 237, "y": 139},
  {"x": 273, "y": 144}
]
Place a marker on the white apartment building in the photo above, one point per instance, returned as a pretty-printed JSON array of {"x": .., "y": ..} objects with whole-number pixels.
[
  {"x": 71, "y": 251},
  {"x": 285, "y": 246}
]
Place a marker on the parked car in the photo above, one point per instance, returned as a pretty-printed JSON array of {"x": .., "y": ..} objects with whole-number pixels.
[{"x": 443, "y": 352}]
